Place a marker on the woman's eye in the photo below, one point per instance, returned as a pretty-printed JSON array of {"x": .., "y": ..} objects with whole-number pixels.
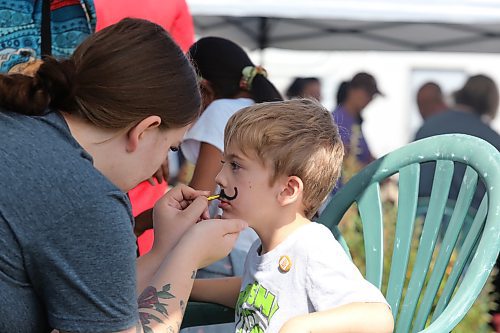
[{"x": 174, "y": 148}]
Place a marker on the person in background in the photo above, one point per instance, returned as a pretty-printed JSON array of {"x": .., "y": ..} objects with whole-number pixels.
[
  {"x": 229, "y": 81},
  {"x": 476, "y": 105},
  {"x": 430, "y": 100},
  {"x": 172, "y": 15},
  {"x": 341, "y": 95},
  {"x": 359, "y": 92},
  {"x": 308, "y": 87}
]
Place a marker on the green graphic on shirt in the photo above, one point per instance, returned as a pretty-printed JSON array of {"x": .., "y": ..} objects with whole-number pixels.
[{"x": 255, "y": 307}]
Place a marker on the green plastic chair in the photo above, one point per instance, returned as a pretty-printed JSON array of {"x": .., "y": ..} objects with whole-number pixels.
[{"x": 477, "y": 253}]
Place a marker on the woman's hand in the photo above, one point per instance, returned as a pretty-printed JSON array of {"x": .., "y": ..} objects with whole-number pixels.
[
  {"x": 177, "y": 211},
  {"x": 211, "y": 240}
]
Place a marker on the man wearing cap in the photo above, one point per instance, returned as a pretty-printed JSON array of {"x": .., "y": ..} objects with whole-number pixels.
[{"x": 360, "y": 92}]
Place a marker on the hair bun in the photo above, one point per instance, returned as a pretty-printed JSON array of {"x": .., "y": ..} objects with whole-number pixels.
[
  {"x": 23, "y": 94},
  {"x": 58, "y": 79}
]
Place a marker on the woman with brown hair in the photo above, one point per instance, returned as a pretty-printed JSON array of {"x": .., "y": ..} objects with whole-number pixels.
[{"x": 74, "y": 138}]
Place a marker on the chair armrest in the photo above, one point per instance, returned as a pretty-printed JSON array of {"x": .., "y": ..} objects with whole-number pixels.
[{"x": 200, "y": 314}]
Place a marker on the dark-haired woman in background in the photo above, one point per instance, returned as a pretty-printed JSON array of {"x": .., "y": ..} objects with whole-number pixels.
[
  {"x": 73, "y": 138},
  {"x": 305, "y": 87},
  {"x": 229, "y": 82}
]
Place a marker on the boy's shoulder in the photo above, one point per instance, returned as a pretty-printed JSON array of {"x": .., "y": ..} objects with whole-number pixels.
[
  {"x": 313, "y": 239},
  {"x": 317, "y": 245},
  {"x": 309, "y": 244},
  {"x": 316, "y": 231}
]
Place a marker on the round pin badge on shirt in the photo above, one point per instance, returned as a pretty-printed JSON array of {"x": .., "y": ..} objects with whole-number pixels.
[{"x": 285, "y": 264}]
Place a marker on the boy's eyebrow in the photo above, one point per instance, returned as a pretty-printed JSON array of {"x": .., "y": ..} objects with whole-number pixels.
[{"x": 233, "y": 156}]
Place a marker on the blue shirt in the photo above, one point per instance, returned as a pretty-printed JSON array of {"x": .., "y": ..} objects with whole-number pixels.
[
  {"x": 448, "y": 122},
  {"x": 357, "y": 154},
  {"x": 352, "y": 135},
  {"x": 67, "y": 248}
]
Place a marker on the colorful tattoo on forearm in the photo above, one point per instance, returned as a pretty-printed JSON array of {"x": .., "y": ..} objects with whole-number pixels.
[{"x": 150, "y": 299}]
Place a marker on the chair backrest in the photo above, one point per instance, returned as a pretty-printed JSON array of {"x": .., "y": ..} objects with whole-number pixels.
[{"x": 476, "y": 252}]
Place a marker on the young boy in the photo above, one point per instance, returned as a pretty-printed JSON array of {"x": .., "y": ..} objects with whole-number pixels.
[{"x": 281, "y": 160}]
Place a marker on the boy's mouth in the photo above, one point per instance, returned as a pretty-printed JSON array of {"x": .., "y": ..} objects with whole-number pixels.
[{"x": 224, "y": 205}]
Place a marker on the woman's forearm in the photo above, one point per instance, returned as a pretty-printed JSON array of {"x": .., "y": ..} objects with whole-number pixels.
[
  {"x": 147, "y": 266},
  {"x": 163, "y": 300}
]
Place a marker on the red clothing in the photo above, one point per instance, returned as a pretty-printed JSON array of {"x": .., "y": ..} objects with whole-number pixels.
[
  {"x": 144, "y": 197},
  {"x": 173, "y": 15}
]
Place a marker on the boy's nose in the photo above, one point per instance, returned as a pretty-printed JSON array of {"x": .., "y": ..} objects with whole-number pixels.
[{"x": 219, "y": 179}]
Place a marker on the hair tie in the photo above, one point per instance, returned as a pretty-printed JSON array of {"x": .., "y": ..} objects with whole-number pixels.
[
  {"x": 248, "y": 74},
  {"x": 58, "y": 79}
]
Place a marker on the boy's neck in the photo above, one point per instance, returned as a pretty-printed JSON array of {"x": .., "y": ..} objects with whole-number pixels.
[{"x": 276, "y": 232}]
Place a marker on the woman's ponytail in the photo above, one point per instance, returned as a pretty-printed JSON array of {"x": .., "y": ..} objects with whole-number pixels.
[
  {"x": 53, "y": 85},
  {"x": 254, "y": 80},
  {"x": 262, "y": 90},
  {"x": 59, "y": 80},
  {"x": 23, "y": 94},
  {"x": 230, "y": 71}
]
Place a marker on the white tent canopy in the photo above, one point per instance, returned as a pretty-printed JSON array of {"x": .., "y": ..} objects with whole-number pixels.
[{"x": 382, "y": 25}]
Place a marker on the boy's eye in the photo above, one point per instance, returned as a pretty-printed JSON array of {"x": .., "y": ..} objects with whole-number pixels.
[
  {"x": 174, "y": 148},
  {"x": 235, "y": 166}
]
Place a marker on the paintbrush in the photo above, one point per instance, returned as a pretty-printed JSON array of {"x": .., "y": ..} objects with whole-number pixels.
[{"x": 213, "y": 197}]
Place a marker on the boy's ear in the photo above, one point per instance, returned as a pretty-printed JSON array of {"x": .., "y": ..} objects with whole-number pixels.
[
  {"x": 292, "y": 191},
  {"x": 136, "y": 133}
]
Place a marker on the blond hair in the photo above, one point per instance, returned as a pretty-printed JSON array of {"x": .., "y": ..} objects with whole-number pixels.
[{"x": 294, "y": 138}]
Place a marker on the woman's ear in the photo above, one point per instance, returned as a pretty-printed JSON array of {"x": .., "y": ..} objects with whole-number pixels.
[
  {"x": 138, "y": 132},
  {"x": 292, "y": 191}
]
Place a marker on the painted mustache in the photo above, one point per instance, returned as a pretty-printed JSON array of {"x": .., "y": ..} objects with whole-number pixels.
[{"x": 223, "y": 195}]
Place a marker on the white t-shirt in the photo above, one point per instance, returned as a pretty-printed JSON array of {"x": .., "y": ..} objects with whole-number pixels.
[
  {"x": 321, "y": 277},
  {"x": 210, "y": 126}
]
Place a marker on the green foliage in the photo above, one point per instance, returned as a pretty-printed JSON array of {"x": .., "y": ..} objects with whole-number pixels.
[{"x": 477, "y": 318}]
